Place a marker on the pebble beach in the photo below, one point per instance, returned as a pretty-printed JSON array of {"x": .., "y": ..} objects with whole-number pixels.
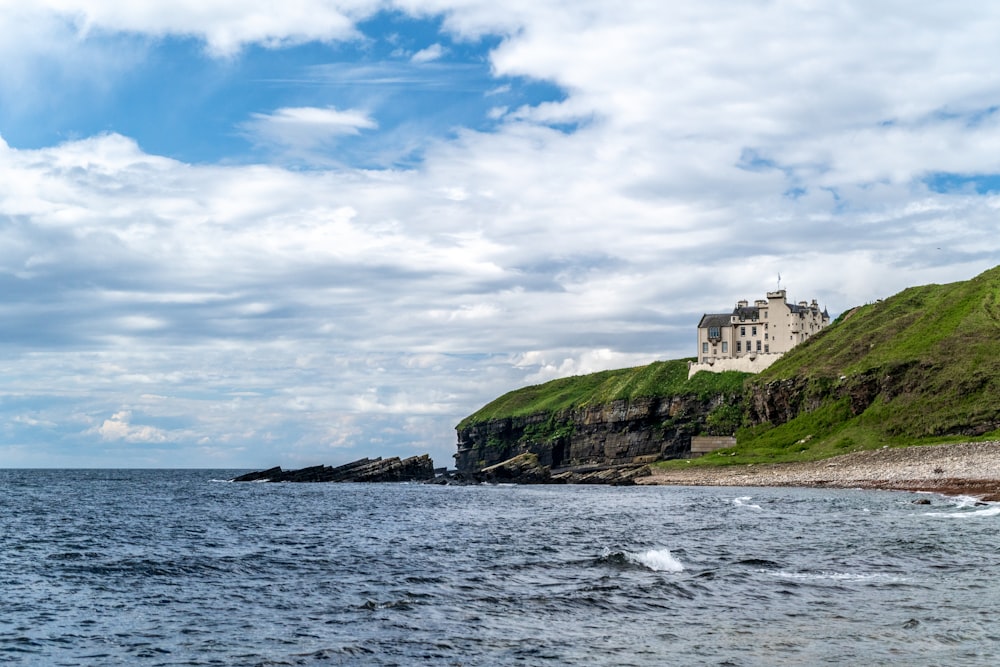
[{"x": 969, "y": 468}]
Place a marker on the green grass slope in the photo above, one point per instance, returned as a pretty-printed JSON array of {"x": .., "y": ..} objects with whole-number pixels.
[
  {"x": 661, "y": 378},
  {"x": 954, "y": 327},
  {"x": 920, "y": 367}
]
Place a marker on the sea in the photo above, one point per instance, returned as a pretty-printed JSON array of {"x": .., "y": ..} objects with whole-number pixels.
[{"x": 183, "y": 567}]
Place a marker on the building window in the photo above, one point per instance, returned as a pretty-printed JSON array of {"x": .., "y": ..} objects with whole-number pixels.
[
  {"x": 758, "y": 346},
  {"x": 765, "y": 336},
  {"x": 767, "y": 349},
  {"x": 704, "y": 348},
  {"x": 753, "y": 331},
  {"x": 739, "y": 346},
  {"x": 743, "y": 331},
  {"x": 713, "y": 332},
  {"x": 725, "y": 347}
]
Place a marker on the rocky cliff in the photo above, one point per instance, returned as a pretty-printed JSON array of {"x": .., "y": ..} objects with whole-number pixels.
[
  {"x": 622, "y": 432},
  {"x": 905, "y": 400}
]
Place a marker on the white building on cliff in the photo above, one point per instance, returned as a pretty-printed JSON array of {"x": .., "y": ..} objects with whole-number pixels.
[{"x": 751, "y": 338}]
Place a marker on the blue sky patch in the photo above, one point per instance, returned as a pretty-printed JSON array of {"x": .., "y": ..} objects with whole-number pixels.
[
  {"x": 412, "y": 82},
  {"x": 947, "y": 183}
]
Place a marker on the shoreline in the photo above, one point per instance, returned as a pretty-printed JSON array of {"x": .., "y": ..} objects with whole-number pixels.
[{"x": 967, "y": 469}]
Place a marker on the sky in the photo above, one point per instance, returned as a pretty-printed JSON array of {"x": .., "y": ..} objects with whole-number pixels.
[{"x": 238, "y": 234}]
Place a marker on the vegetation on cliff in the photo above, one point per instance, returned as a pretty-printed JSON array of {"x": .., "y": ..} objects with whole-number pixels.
[
  {"x": 661, "y": 378},
  {"x": 613, "y": 418}
]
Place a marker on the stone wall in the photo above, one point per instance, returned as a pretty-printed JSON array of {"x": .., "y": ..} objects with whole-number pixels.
[
  {"x": 753, "y": 363},
  {"x": 702, "y": 444}
]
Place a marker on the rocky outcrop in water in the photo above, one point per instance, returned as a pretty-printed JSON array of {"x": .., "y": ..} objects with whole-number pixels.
[
  {"x": 413, "y": 469},
  {"x": 526, "y": 469},
  {"x": 522, "y": 469},
  {"x": 614, "y": 476}
]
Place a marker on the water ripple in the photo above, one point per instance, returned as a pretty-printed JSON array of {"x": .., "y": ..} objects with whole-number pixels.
[{"x": 171, "y": 568}]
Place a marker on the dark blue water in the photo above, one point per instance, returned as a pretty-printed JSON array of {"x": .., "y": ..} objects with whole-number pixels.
[{"x": 177, "y": 568}]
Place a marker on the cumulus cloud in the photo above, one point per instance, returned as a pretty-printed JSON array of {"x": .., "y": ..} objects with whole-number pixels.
[
  {"x": 224, "y": 25},
  {"x": 118, "y": 427}
]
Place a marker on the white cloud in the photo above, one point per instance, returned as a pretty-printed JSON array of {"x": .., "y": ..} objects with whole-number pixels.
[
  {"x": 120, "y": 428},
  {"x": 225, "y": 25},
  {"x": 430, "y": 54},
  {"x": 545, "y": 366},
  {"x": 306, "y": 128},
  {"x": 31, "y": 421}
]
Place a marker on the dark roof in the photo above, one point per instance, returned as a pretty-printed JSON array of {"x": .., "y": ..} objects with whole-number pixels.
[
  {"x": 714, "y": 320},
  {"x": 747, "y": 313}
]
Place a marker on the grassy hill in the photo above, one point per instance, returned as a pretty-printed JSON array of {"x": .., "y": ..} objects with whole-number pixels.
[
  {"x": 954, "y": 327},
  {"x": 920, "y": 367}
]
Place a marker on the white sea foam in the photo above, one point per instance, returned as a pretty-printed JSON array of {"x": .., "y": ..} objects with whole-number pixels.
[
  {"x": 832, "y": 576},
  {"x": 658, "y": 560},
  {"x": 961, "y": 502},
  {"x": 744, "y": 501},
  {"x": 964, "y": 503},
  {"x": 992, "y": 510}
]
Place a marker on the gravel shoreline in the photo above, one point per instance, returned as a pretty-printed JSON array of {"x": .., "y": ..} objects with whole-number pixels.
[{"x": 968, "y": 468}]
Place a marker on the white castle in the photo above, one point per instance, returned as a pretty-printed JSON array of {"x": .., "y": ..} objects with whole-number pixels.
[{"x": 751, "y": 338}]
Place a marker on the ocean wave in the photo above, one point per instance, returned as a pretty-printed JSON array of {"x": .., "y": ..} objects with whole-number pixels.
[
  {"x": 744, "y": 501},
  {"x": 658, "y": 560}
]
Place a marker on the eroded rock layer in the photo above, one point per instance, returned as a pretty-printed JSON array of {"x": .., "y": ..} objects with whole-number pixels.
[
  {"x": 621, "y": 433},
  {"x": 415, "y": 468}
]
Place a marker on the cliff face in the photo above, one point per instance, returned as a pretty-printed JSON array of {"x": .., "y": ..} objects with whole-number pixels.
[
  {"x": 909, "y": 399},
  {"x": 621, "y": 432}
]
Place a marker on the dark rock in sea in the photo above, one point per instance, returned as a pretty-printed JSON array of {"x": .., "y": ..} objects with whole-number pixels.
[
  {"x": 612, "y": 475},
  {"x": 413, "y": 469},
  {"x": 259, "y": 476},
  {"x": 521, "y": 469},
  {"x": 527, "y": 469}
]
